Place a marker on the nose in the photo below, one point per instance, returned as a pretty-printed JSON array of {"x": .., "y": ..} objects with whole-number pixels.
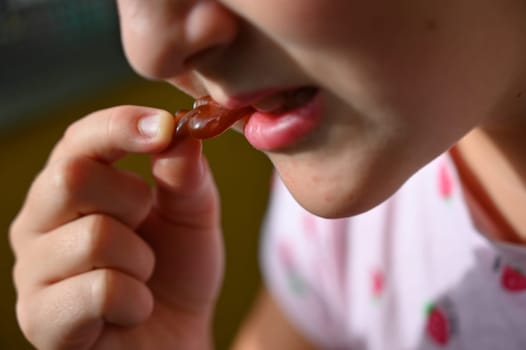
[{"x": 163, "y": 38}]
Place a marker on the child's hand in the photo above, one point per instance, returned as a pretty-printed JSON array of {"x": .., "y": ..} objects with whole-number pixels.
[{"x": 104, "y": 262}]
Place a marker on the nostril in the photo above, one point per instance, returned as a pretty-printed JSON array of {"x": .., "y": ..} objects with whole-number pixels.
[
  {"x": 164, "y": 43},
  {"x": 199, "y": 58},
  {"x": 208, "y": 27}
]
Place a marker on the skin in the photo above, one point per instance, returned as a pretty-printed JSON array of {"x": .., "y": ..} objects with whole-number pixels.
[
  {"x": 382, "y": 117},
  {"x": 402, "y": 81}
]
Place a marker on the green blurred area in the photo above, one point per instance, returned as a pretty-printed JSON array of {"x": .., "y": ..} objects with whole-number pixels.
[{"x": 242, "y": 175}]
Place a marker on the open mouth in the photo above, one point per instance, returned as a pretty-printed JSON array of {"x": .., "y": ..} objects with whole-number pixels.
[
  {"x": 285, "y": 101},
  {"x": 272, "y": 122},
  {"x": 282, "y": 119}
]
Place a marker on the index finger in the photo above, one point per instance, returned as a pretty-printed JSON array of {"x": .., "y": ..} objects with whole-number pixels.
[{"x": 109, "y": 134}]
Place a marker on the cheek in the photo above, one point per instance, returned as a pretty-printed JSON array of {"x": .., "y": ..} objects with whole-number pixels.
[
  {"x": 299, "y": 22},
  {"x": 322, "y": 24}
]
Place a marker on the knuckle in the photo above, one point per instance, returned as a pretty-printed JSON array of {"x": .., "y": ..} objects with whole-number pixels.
[
  {"x": 103, "y": 123},
  {"x": 97, "y": 237},
  {"x": 71, "y": 131},
  {"x": 14, "y": 225},
  {"x": 17, "y": 273},
  {"x": 103, "y": 289},
  {"x": 149, "y": 261},
  {"x": 69, "y": 175},
  {"x": 24, "y": 272},
  {"x": 14, "y": 232},
  {"x": 117, "y": 115},
  {"x": 117, "y": 122},
  {"x": 26, "y": 319},
  {"x": 111, "y": 123}
]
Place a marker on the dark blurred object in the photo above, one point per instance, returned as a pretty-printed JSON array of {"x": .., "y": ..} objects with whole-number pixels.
[{"x": 55, "y": 50}]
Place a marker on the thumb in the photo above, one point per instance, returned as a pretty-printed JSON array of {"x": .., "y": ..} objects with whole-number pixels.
[
  {"x": 183, "y": 228},
  {"x": 185, "y": 190}
]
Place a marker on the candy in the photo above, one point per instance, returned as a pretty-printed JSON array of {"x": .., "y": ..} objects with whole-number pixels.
[{"x": 207, "y": 119}]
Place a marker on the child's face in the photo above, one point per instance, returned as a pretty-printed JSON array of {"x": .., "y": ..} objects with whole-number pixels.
[{"x": 399, "y": 81}]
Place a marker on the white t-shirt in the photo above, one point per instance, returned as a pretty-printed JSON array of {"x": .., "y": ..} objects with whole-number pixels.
[{"x": 412, "y": 273}]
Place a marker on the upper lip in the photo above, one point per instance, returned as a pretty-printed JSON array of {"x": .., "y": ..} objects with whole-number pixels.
[{"x": 245, "y": 99}]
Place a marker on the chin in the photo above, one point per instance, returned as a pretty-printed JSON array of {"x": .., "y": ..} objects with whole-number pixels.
[
  {"x": 343, "y": 188},
  {"x": 340, "y": 203}
]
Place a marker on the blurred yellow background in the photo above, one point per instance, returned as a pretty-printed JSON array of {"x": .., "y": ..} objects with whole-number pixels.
[
  {"x": 61, "y": 60},
  {"x": 242, "y": 175}
]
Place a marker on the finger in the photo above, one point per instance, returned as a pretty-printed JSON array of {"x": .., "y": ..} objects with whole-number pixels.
[
  {"x": 92, "y": 242},
  {"x": 71, "y": 314},
  {"x": 185, "y": 189},
  {"x": 70, "y": 188},
  {"x": 109, "y": 134},
  {"x": 184, "y": 229}
]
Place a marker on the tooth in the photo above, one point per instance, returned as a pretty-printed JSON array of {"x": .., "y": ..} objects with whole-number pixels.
[
  {"x": 271, "y": 103},
  {"x": 298, "y": 97},
  {"x": 303, "y": 95},
  {"x": 286, "y": 100},
  {"x": 199, "y": 102}
]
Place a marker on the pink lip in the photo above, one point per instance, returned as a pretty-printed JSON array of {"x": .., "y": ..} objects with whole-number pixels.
[{"x": 272, "y": 131}]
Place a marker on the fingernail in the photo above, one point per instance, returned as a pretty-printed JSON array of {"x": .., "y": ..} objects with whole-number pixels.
[{"x": 150, "y": 125}]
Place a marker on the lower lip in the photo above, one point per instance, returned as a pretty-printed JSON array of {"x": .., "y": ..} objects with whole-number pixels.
[{"x": 270, "y": 131}]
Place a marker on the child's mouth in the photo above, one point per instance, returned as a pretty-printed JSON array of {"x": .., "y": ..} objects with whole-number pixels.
[
  {"x": 285, "y": 101},
  {"x": 283, "y": 119}
]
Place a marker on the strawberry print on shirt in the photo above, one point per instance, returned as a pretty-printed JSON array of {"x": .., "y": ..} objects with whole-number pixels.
[
  {"x": 437, "y": 326},
  {"x": 513, "y": 280},
  {"x": 377, "y": 284},
  {"x": 441, "y": 323},
  {"x": 413, "y": 273},
  {"x": 445, "y": 181}
]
